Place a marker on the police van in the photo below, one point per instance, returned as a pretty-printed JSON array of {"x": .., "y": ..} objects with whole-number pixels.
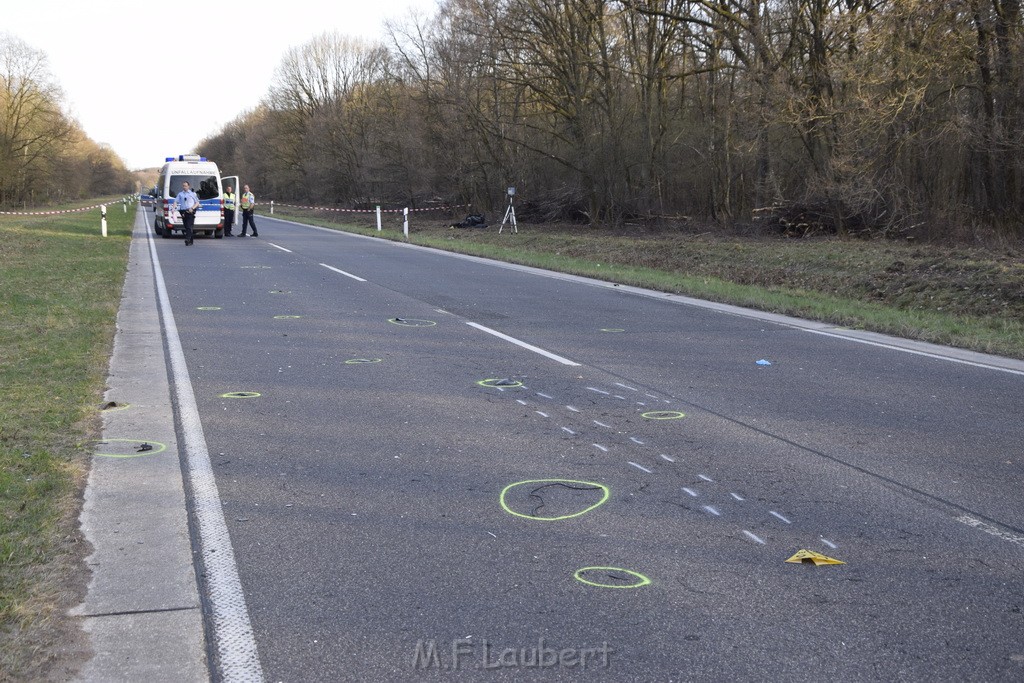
[{"x": 203, "y": 177}]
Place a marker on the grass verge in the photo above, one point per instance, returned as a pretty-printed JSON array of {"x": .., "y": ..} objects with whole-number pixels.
[
  {"x": 971, "y": 298},
  {"x": 60, "y": 287}
]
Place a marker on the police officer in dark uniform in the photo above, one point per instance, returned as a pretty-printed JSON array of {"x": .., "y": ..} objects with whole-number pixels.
[{"x": 187, "y": 202}]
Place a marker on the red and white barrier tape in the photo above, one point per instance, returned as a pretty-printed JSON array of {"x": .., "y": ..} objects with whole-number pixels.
[
  {"x": 54, "y": 213},
  {"x": 326, "y": 208}
]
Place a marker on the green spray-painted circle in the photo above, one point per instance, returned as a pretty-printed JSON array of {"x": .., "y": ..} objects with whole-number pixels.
[
  {"x": 359, "y": 361},
  {"x": 411, "y": 322},
  {"x": 241, "y": 394},
  {"x": 493, "y": 383},
  {"x": 207, "y": 308},
  {"x": 663, "y": 415},
  {"x": 640, "y": 579},
  {"x": 287, "y": 317},
  {"x": 158, "y": 448},
  {"x": 605, "y": 493}
]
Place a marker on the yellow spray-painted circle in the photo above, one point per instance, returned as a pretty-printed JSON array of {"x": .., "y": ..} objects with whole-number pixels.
[
  {"x": 411, "y": 322},
  {"x": 158, "y": 447},
  {"x": 605, "y": 493},
  {"x": 115, "y": 408},
  {"x": 612, "y": 329},
  {"x": 493, "y": 383},
  {"x": 358, "y": 361},
  {"x": 207, "y": 308},
  {"x": 241, "y": 394},
  {"x": 287, "y": 317},
  {"x": 639, "y": 579},
  {"x": 663, "y": 415}
]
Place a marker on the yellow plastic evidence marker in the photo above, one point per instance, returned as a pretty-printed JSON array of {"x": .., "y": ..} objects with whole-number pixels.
[
  {"x": 605, "y": 493},
  {"x": 811, "y": 557},
  {"x": 641, "y": 580}
]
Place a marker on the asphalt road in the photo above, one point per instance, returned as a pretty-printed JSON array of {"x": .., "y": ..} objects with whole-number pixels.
[{"x": 399, "y": 520}]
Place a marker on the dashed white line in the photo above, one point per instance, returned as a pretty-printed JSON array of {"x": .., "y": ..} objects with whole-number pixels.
[
  {"x": 541, "y": 413},
  {"x": 737, "y": 496},
  {"x": 621, "y": 398},
  {"x": 754, "y": 537},
  {"x": 636, "y": 440},
  {"x": 712, "y": 510},
  {"x": 520, "y": 401},
  {"x": 778, "y": 516},
  {"x": 342, "y": 272},
  {"x": 667, "y": 458},
  {"x": 705, "y": 477},
  {"x": 543, "y": 395},
  {"x": 600, "y": 447},
  {"x": 602, "y": 424},
  {"x": 691, "y": 492},
  {"x": 575, "y": 410},
  {"x": 625, "y": 386},
  {"x": 991, "y": 530},
  {"x": 566, "y": 429},
  {"x": 829, "y": 543},
  {"x": 277, "y": 247},
  {"x": 641, "y": 467},
  {"x": 599, "y": 391},
  {"x": 522, "y": 344}
]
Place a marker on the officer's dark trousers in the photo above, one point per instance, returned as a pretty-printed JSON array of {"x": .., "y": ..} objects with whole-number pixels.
[
  {"x": 188, "y": 219},
  {"x": 229, "y": 221},
  {"x": 247, "y": 220}
]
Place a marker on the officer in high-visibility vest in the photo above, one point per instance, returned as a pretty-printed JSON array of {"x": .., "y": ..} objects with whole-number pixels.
[
  {"x": 248, "y": 204},
  {"x": 229, "y": 210}
]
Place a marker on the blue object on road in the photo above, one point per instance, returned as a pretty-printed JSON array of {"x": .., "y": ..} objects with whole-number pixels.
[{"x": 764, "y": 362}]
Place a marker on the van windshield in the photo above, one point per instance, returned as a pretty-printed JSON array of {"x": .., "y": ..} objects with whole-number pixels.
[{"x": 205, "y": 186}]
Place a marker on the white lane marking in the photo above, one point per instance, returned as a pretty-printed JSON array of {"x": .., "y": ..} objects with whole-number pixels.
[
  {"x": 543, "y": 395},
  {"x": 621, "y": 398},
  {"x": 754, "y": 537},
  {"x": 778, "y": 516},
  {"x": 528, "y": 347},
  {"x": 991, "y": 530},
  {"x": 893, "y": 347},
  {"x": 277, "y": 247},
  {"x": 600, "y": 391},
  {"x": 233, "y": 637},
  {"x": 650, "y": 396},
  {"x": 636, "y": 440},
  {"x": 541, "y": 413},
  {"x": 600, "y": 447},
  {"x": 625, "y": 386},
  {"x": 641, "y": 467},
  {"x": 829, "y": 543},
  {"x": 737, "y": 496},
  {"x": 566, "y": 429},
  {"x": 691, "y": 492},
  {"x": 705, "y": 477},
  {"x": 641, "y": 403},
  {"x": 602, "y": 424},
  {"x": 520, "y": 401},
  {"x": 575, "y": 410},
  {"x": 665, "y": 457},
  {"x": 712, "y": 510},
  {"x": 342, "y": 272}
]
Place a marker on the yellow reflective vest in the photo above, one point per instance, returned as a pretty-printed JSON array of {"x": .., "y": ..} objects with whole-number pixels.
[{"x": 229, "y": 201}]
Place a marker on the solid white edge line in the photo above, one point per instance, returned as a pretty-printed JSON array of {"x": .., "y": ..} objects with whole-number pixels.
[
  {"x": 528, "y": 347},
  {"x": 277, "y": 247},
  {"x": 339, "y": 270},
  {"x": 231, "y": 628}
]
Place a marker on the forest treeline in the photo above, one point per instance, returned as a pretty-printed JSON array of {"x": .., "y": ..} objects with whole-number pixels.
[
  {"x": 45, "y": 156},
  {"x": 894, "y": 116}
]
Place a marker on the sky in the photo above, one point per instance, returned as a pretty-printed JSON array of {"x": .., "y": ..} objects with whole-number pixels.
[{"x": 119, "y": 62}]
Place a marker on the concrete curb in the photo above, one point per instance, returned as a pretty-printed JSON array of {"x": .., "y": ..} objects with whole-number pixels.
[{"x": 142, "y": 612}]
